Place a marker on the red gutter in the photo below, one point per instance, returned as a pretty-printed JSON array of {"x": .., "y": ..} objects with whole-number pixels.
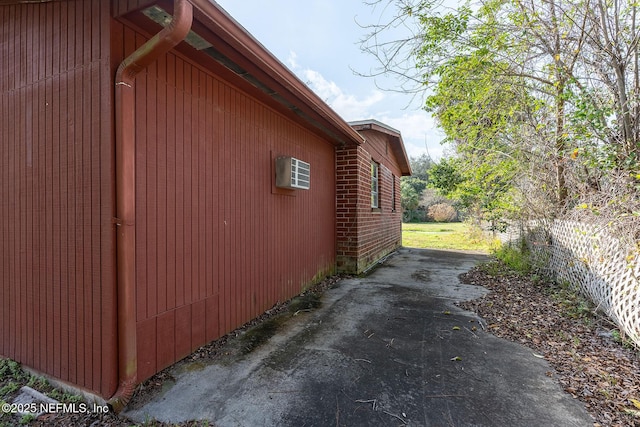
[{"x": 160, "y": 44}]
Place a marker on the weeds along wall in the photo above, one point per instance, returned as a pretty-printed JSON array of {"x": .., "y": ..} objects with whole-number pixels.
[{"x": 594, "y": 262}]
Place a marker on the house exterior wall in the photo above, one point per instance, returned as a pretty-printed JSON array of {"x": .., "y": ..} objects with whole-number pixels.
[
  {"x": 217, "y": 242},
  {"x": 365, "y": 234},
  {"x": 57, "y": 290}
]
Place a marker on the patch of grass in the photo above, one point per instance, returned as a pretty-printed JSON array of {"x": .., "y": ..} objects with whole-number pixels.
[
  {"x": 515, "y": 257},
  {"x": 64, "y": 396},
  {"x": 453, "y": 235},
  {"x": 9, "y": 388},
  {"x": 26, "y": 419},
  {"x": 619, "y": 336}
]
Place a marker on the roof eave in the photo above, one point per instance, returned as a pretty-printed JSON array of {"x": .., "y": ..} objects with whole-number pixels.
[
  {"x": 397, "y": 144},
  {"x": 270, "y": 72}
]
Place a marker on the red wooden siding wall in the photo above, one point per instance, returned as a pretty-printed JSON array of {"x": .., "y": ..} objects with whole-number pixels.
[
  {"x": 56, "y": 236},
  {"x": 216, "y": 244},
  {"x": 120, "y": 7}
]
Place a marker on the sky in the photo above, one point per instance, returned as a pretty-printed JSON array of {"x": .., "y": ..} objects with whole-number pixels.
[{"x": 318, "y": 40}]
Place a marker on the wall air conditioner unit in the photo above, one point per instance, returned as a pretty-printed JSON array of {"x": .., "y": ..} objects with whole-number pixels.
[{"x": 292, "y": 173}]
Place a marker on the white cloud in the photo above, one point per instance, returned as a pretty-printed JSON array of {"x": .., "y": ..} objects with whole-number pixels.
[
  {"x": 417, "y": 127},
  {"x": 349, "y": 106},
  {"x": 419, "y": 132},
  {"x": 292, "y": 60}
]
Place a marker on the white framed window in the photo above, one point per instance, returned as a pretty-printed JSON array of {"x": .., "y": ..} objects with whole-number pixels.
[{"x": 375, "y": 185}]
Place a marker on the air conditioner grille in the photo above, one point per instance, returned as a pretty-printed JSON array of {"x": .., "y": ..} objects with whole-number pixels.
[
  {"x": 300, "y": 174},
  {"x": 293, "y": 173}
]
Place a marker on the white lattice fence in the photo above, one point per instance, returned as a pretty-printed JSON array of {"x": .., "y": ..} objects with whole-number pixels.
[{"x": 594, "y": 262}]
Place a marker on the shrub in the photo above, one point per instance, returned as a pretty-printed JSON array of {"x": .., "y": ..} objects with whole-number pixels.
[
  {"x": 442, "y": 212},
  {"x": 515, "y": 257}
]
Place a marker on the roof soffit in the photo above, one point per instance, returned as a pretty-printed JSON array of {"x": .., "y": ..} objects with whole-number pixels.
[{"x": 230, "y": 45}]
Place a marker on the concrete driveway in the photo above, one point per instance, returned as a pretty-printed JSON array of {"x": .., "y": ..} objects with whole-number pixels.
[{"x": 389, "y": 349}]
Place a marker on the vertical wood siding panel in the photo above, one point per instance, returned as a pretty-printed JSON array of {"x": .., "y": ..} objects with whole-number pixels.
[
  {"x": 228, "y": 180},
  {"x": 162, "y": 187},
  {"x": 41, "y": 194},
  {"x": 142, "y": 201},
  {"x": 181, "y": 208},
  {"x": 244, "y": 225},
  {"x": 66, "y": 110},
  {"x": 180, "y": 218},
  {"x": 121, "y": 7},
  {"x": 82, "y": 235},
  {"x": 199, "y": 186},
  {"x": 183, "y": 332},
  {"x": 44, "y": 239},
  {"x": 146, "y": 344},
  {"x": 263, "y": 193},
  {"x": 214, "y": 209},
  {"x": 216, "y": 238},
  {"x": 4, "y": 294},
  {"x": 20, "y": 266},
  {"x": 54, "y": 34},
  {"x": 16, "y": 217},
  {"x": 165, "y": 347},
  {"x": 74, "y": 218},
  {"x": 66, "y": 335},
  {"x": 242, "y": 242},
  {"x": 198, "y": 324},
  {"x": 226, "y": 141},
  {"x": 170, "y": 202},
  {"x": 198, "y": 120},
  {"x": 98, "y": 326},
  {"x": 187, "y": 206},
  {"x": 152, "y": 195},
  {"x": 215, "y": 145},
  {"x": 4, "y": 62},
  {"x": 247, "y": 224},
  {"x": 74, "y": 124},
  {"x": 4, "y": 217},
  {"x": 84, "y": 294},
  {"x": 212, "y": 321},
  {"x": 11, "y": 282},
  {"x": 237, "y": 201},
  {"x": 51, "y": 176},
  {"x": 53, "y": 131},
  {"x": 232, "y": 201}
]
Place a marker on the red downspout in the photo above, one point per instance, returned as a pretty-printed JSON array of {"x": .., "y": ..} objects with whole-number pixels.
[{"x": 125, "y": 141}]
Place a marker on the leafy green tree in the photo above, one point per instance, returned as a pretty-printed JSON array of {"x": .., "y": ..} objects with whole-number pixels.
[
  {"x": 413, "y": 186},
  {"x": 410, "y": 199},
  {"x": 540, "y": 100},
  {"x": 420, "y": 167}
]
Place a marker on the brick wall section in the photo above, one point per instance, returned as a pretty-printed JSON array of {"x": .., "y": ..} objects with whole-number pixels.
[{"x": 364, "y": 235}]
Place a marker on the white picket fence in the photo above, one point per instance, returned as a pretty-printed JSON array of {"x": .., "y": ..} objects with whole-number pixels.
[{"x": 593, "y": 262}]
